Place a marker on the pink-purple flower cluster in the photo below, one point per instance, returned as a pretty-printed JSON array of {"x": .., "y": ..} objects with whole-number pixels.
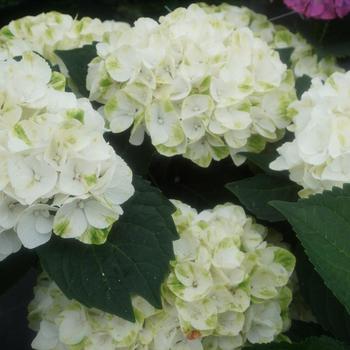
[{"x": 320, "y": 9}]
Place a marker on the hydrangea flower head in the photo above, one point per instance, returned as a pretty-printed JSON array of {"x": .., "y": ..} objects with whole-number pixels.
[
  {"x": 195, "y": 83},
  {"x": 318, "y": 157},
  {"x": 320, "y": 9},
  {"x": 57, "y": 172},
  {"x": 52, "y": 31},
  {"x": 303, "y": 58},
  {"x": 227, "y": 288}
]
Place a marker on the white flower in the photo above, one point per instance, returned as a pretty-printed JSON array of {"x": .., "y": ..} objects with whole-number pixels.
[
  {"x": 34, "y": 74},
  {"x": 223, "y": 343},
  {"x": 196, "y": 105},
  {"x": 227, "y": 255},
  {"x": 190, "y": 281},
  {"x": 31, "y": 179},
  {"x": 75, "y": 218},
  {"x": 57, "y": 173},
  {"x": 317, "y": 158},
  {"x": 124, "y": 333},
  {"x": 9, "y": 243},
  {"x": 230, "y": 323},
  {"x": 34, "y": 226},
  {"x": 10, "y": 210},
  {"x": 179, "y": 80},
  {"x": 120, "y": 111},
  {"x": 73, "y": 327},
  {"x": 124, "y": 64},
  {"x": 47, "y": 337},
  {"x": 198, "y": 315},
  {"x": 115, "y": 186},
  {"x": 263, "y": 322},
  {"x": 163, "y": 124}
]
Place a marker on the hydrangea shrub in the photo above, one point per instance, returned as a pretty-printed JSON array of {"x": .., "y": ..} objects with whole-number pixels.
[{"x": 101, "y": 122}]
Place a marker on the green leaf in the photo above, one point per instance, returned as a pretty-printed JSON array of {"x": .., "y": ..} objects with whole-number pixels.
[
  {"x": 332, "y": 316},
  {"x": 322, "y": 224},
  {"x": 302, "y": 84},
  {"x": 77, "y": 61},
  {"x": 256, "y": 192},
  {"x": 285, "y": 55},
  {"x": 321, "y": 343},
  {"x": 134, "y": 260}
]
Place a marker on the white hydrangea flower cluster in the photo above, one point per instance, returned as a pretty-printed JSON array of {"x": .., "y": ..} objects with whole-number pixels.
[
  {"x": 227, "y": 287},
  {"x": 52, "y": 31},
  {"x": 56, "y": 170},
  {"x": 303, "y": 57},
  {"x": 319, "y": 156},
  {"x": 199, "y": 86},
  {"x": 228, "y": 284}
]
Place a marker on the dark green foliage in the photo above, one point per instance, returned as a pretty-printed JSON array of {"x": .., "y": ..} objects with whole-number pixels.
[
  {"x": 134, "y": 260},
  {"x": 302, "y": 84},
  {"x": 254, "y": 193},
  {"x": 326, "y": 308},
  {"x": 77, "y": 61},
  {"x": 285, "y": 55},
  {"x": 322, "y": 225}
]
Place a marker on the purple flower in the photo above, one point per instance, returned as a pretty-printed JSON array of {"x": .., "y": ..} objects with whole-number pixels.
[{"x": 320, "y": 9}]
